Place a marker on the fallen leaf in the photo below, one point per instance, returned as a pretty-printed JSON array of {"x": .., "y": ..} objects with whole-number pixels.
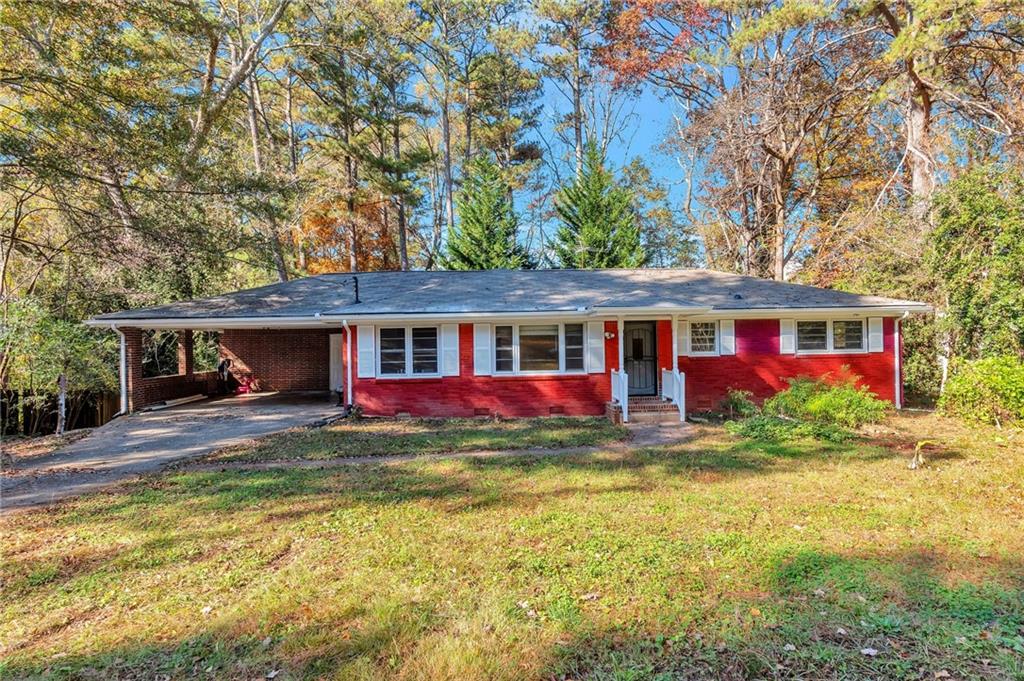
[
  {"x": 870, "y": 652},
  {"x": 942, "y": 674},
  {"x": 593, "y": 596},
  {"x": 789, "y": 647},
  {"x": 841, "y": 631},
  {"x": 207, "y": 610},
  {"x": 267, "y": 641},
  {"x": 755, "y": 612},
  {"x": 274, "y": 673}
]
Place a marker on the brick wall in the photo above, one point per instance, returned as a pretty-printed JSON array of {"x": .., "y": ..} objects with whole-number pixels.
[
  {"x": 757, "y": 366},
  {"x": 470, "y": 395},
  {"x": 279, "y": 359}
]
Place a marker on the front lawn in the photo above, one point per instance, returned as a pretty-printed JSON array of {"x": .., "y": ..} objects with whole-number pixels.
[
  {"x": 379, "y": 436},
  {"x": 715, "y": 558}
]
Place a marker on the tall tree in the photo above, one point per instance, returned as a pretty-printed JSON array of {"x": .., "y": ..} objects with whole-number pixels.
[
  {"x": 599, "y": 227},
  {"x": 486, "y": 236}
]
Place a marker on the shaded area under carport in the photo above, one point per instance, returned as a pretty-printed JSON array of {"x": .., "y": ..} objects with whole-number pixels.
[{"x": 145, "y": 442}]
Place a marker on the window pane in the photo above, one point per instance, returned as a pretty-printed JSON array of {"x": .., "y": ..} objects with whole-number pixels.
[
  {"x": 503, "y": 348},
  {"x": 574, "y": 347},
  {"x": 702, "y": 336},
  {"x": 424, "y": 350},
  {"x": 812, "y": 335},
  {"x": 848, "y": 335},
  {"x": 538, "y": 347},
  {"x": 392, "y": 351}
]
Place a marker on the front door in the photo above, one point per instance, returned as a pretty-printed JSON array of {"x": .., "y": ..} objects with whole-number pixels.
[{"x": 641, "y": 357}]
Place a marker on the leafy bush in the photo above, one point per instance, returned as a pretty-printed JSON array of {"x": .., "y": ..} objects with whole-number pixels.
[
  {"x": 828, "y": 400},
  {"x": 986, "y": 390},
  {"x": 776, "y": 429},
  {"x": 738, "y": 403}
]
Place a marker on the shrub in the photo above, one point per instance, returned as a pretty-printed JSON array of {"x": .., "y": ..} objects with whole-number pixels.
[
  {"x": 986, "y": 390},
  {"x": 775, "y": 429},
  {"x": 828, "y": 400},
  {"x": 738, "y": 403}
]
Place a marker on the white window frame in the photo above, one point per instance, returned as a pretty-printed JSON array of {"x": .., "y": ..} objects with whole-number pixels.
[
  {"x": 408, "y": 351},
  {"x": 718, "y": 338},
  {"x": 830, "y": 348},
  {"x": 516, "y": 371}
]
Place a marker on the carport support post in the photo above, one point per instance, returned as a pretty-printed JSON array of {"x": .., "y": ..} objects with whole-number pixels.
[
  {"x": 186, "y": 353},
  {"x": 122, "y": 374}
]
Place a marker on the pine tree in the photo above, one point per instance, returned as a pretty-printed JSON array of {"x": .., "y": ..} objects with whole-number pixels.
[
  {"x": 599, "y": 227},
  {"x": 485, "y": 236}
]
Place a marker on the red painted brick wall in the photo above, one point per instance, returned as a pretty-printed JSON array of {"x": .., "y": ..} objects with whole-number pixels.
[
  {"x": 469, "y": 395},
  {"x": 757, "y": 366},
  {"x": 279, "y": 359}
]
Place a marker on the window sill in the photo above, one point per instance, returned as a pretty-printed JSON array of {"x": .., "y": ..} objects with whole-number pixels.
[{"x": 818, "y": 353}]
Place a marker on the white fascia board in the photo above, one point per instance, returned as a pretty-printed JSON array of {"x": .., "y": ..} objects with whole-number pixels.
[
  {"x": 308, "y": 322},
  {"x": 816, "y": 312}
]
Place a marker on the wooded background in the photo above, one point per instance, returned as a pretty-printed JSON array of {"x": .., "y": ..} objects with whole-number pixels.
[{"x": 154, "y": 150}]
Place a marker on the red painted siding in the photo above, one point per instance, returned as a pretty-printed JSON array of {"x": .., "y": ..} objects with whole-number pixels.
[
  {"x": 469, "y": 395},
  {"x": 758, "y": 367}
]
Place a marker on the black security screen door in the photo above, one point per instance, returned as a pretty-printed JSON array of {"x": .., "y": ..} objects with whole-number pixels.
[{"x": 641, "y": 357}]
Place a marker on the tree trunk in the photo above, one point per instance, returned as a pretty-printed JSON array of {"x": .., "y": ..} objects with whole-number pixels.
[
  {"x": 396, "y": 150},
  {"x": 922, "y": 166},
  {"x": 62, "y": 403},
  {"x": 446, "y": 141},
  {"x": 577, "y": 110}
]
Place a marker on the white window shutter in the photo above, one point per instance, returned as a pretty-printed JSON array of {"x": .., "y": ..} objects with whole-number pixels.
[
  {"x": 366, "y": 356},
  {"x": 876, "y": 339},
  {"x": 482, "y": 349},
  {"x": 449, "y": 349},
  {"x": 787, "y": 336},
  {"x": 684, "y": 338},
  {"x": 595, "y": 347},
  {"x": 727, "y": 342}
]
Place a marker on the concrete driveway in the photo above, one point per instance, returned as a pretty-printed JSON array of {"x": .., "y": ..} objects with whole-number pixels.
[{"x": 141, "y": 443}]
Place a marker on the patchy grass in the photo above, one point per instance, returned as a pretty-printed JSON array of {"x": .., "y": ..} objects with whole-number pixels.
[
  {"x": 376, "y": 436},
  {"x": 715, "y": 558}
]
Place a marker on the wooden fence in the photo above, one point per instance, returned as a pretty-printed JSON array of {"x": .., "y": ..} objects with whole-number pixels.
[{"x": 34, "y": 413}]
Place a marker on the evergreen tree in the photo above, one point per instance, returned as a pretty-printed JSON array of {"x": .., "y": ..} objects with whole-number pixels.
[
  {"x": 599, "y": 226},
  {"x": 485, "y": 236}
]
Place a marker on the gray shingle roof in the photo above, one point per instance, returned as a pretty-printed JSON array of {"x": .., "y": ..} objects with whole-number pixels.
[{"x": 498, "y": 291}]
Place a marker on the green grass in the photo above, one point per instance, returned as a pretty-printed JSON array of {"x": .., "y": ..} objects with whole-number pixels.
[
  {"x": 370, "y": 437},
  {"x": 716, "y": 558}
]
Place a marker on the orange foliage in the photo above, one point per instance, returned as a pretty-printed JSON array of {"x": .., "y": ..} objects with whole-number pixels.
[
  {"x": 649, "y": 37},
  {"x": 325, "y": 237}
]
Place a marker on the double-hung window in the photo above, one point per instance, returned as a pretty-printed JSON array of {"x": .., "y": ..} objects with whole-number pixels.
[
  {"x": 538, "y": 348},
  {"x": 703, "y": 338},
  {"x": 408, "y": 351},
  {"x": 822, "y": 336}
]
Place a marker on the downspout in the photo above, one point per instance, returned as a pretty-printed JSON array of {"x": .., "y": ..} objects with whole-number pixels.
[
  {"x": 898, "y": 355},
  {"x": 122, "y": 373},
  {"x": 348, "y": 361}
]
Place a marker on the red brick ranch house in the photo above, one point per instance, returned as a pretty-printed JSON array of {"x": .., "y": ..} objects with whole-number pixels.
[{"x": 525, "y": 343}]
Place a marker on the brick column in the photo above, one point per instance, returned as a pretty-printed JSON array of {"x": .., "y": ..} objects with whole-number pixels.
[
  {"x": 133, "y": 357},
  {"x": 186, "y": 353}
]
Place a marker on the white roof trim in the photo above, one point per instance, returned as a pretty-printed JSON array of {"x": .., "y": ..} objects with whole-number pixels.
[{"x": 319, "y": 320}]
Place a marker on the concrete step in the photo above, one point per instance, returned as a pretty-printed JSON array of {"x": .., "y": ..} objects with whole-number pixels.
[{"x": 654, "y": 416}]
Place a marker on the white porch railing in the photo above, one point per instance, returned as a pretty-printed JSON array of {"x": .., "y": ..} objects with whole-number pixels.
[
  {"x": 620, "y": 392},
  {"x": 673, "y": 387}
]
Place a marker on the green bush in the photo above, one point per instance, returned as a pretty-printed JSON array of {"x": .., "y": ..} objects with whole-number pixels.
[
  {"x": 777, "y": 429},
  {"x": 986, "y": 390},
  {"x": 738, "y": 403},
  {"x": 828, "y": 400}
]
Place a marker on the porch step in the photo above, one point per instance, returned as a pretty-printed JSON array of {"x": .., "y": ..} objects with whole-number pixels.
[
  {"x": 653, "y": 416},
  {"x": 651, "y": 404}
]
